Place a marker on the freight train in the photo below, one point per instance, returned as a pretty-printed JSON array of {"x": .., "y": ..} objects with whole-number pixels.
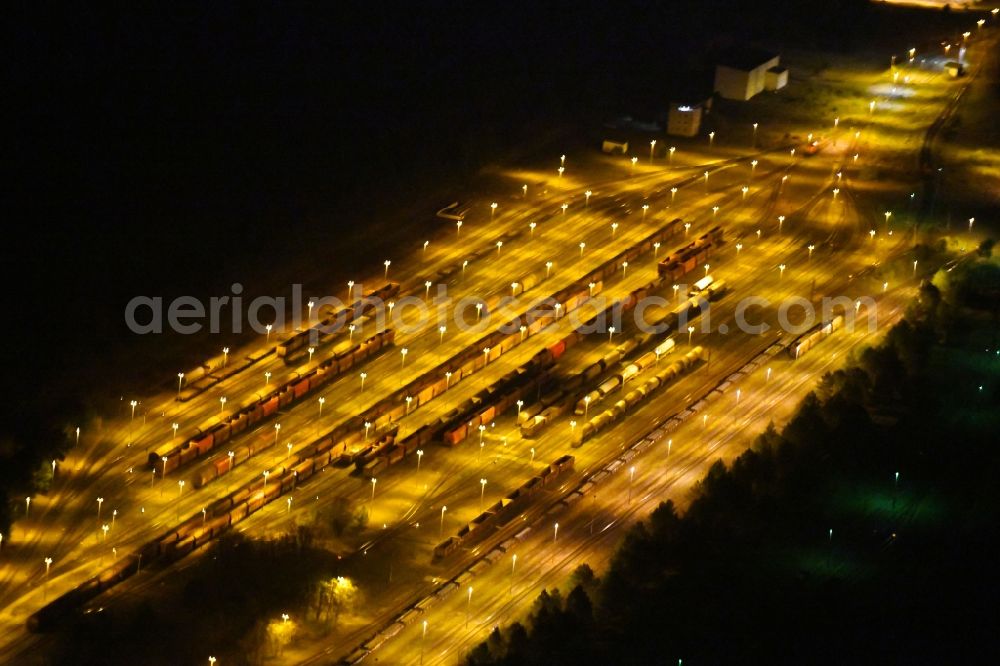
[
  {"x": 170, "y": 457},
  {"x": 321, "y": 331},
  {"x": 814, "y": 336},
  {"x": 685, "y": 259},
  {"x": 505, "y": 509}
]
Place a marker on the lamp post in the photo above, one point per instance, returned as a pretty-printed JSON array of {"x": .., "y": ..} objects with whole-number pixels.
[
  {"x": 441, "y": 526},
  {"x": 670, "y": 161},
  {"x": 711, "y": 139},
  {"x": 100, "y": 501},
  {"x": 180, "y": 383},
  {"x": 420, "y": 455},
  {"x": 386, "y": 263},
  {"x": 267, "y": 377},
  {"x": 482, "y": 492},
  {"x": 374, "y": 481},
  {"x": 363, "y": 376},
  {"x": 586, "y": 196}
]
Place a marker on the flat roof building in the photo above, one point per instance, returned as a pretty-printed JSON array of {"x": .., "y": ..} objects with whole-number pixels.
[{"x": 742, "y": 73}]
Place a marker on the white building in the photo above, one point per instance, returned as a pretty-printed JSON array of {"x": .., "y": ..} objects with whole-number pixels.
[{"x": 742, "y": 73}]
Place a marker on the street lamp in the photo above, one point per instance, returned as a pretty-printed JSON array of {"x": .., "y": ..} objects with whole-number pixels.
[
  {"x": 548, "y": 268},
  {"x": 458, "y": 228},
  {"x": 711, "y": 139},
  {"x": 222, "y": 404},
  {"x": 611, "y": 332},
  {"x": 582, "y": 245},
  {"x": 482, "y": 491},
  {"x": 673, "y": 195},
  {"x": 441, "y": 527},
  {"x": 363, "y": 376},
  {"x": 499, "y": 245},
  {"x": 652, "y": 146},
  {"x": 754, "y": 135},
  {"x": 634, "y": 160},
  {"x": 374, "y": 481},
  {"x": 311, "y": 351},
  {"x": 520, "y": 404},
  {"x": 420, "y": 455},
  {"x": 972, "y": 221},
  {"x": 174, "y": 427},
  {"x": 564, "y": 207},
  {"x": 587, "y": 197},
  {"x": 441, "y": 332},
  {"x": 180, "y": 383},
  {"x": 614, "y": 228},
  {"x": 225, "y": 356},
  {"x": 180, "y": 487},
  {"x": 100, "y": 501},
  {"x": 781, "y": 269},
  {"x": 715, "y": 211},
  {"x": 656, "y": 249},
  {"x": 277, "y": 429},
  {"x": 586, "y": 405},
  {"x": 555, "y": 532},
  {"x": 739, "y": 246},
  {"x": 631, "y": 478},
  {"x": 561, "y": 170},
  {"x": 388, "y": 263},
  {"x": 402, "y": 353},
  {"x": 744, "y": 190},
  {"x": 531, "y": 229},
  {"x": 690, "y": 333},
  {"x": 670, "y": 162},
  {"x": 781, "y": 222},
  {"x": 267, "y": 378},
  {"x": 811, "y": 247},
  {"x": 493, "y": 209},
  {"x": 267, "y": 328}
]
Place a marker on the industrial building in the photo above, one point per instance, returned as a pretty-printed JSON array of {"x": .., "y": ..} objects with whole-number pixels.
[{"x": 742, "y": 73}]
